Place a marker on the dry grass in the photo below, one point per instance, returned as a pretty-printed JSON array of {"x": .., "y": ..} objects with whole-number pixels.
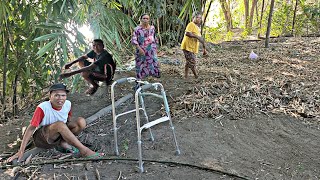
[{"x": 284, "y": 79}]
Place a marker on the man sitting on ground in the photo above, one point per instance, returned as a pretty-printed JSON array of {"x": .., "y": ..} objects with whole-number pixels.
[
  {"x": 51, "y": 126},
  {"x": 102, "y": 69}
]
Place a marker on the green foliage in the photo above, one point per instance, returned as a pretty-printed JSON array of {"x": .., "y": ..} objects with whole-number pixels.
[
  {"x": 44, "y": 35},
  {"x": 238, "y": 14},
  {"x": 280, "y": 19},
  {"x": 244, "y": 34},
  {"x": 229, "y": 36},
  {"x": 125, "y": 144},
  {"x": 312, "y": 14},
  {"x": 213, "y": 35}
]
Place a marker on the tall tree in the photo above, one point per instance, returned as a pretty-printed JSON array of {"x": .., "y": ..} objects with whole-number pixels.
[
  {"x": 246, "y": 13},
  {"x": 294, "y": 17},
  {"x": 249, "y": 17},
  {"x": 253, "y": 7},
  {"x": 4, "y": 74},
  {"x": 261, "y": 17},
  {"x": 206, "y": 15},
  {"x": 225, "y": 5},
  {"x": 269, "y": 24}
]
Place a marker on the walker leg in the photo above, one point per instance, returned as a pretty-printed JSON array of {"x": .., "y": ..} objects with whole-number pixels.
[
  {"x": 165, "y": 101},
  {"x": 115, "y": 133},
  {"x": 175, "y": 139},
  {"x": 140, "y": 157},
  {"x": 146, "y": 116}
]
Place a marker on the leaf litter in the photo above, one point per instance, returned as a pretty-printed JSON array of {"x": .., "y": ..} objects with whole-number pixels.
[{"x": 284, "y": 79}]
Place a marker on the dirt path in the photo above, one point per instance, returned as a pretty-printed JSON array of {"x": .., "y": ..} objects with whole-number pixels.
[{"x": 275, "y": 147}]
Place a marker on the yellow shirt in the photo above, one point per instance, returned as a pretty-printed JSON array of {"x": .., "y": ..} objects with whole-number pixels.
[{"x": 188, "y": 43}]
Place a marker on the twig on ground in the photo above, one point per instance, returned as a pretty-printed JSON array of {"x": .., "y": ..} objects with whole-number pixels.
[
  {"x": 31, "y": 177},
  {"x": 66, "y": 176},
  {"x": 97, "y": 174},
  {"x": 120, "y": 173}
]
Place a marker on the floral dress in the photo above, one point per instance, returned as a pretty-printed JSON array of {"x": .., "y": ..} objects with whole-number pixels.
[{"x": 146, "y": 65}]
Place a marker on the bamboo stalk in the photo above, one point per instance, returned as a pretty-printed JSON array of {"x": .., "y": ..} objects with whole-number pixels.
[{"x": 158, "y": 26}]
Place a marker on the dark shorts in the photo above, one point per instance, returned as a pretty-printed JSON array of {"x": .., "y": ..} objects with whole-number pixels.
[
  {"x": 98, "y": 76},
  {"x": 190, "y": 58},
  {"x": 41, "y": 141}
]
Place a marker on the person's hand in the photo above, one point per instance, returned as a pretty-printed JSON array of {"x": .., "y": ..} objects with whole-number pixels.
[
  {"x": 18, "y": 156},
  {"x": 68, "y": 65},
  {"x": 64, "y": 75}
]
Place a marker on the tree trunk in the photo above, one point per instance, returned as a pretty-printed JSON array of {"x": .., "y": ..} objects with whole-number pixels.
[
  {"x": 294, "y": 17},
  {"x": 158, "y": 25},
  {"x": 205, "y": 17},
  {"x": 257, "y": 13},
  {"x": 253, "y": 6},
  {"x": 261, "y": 16},
  {"x": 15, "y": 108},
  {"x": 246, "y": 13},
  {"x": 4, "y": 76},
  {"x": 269, "y": 24},
  {"x": 227, "y": 14}
]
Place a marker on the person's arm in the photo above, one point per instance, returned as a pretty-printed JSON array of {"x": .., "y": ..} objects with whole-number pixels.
[
  {"x": 135, "y": 42},
  {"x": 69, "y": 115},
  {"x": 27, "y": 135},
  {"x": 190, "y": 34},
  {"x": 68, "y": 65},
  {"x": 71, "y": 73}
]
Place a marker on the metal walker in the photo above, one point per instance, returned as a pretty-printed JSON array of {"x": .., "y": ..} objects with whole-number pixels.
[{"x": 139, "y": 100}]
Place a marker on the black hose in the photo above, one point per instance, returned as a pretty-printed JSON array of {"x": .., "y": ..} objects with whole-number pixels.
[{"x": 130, "y": 159}]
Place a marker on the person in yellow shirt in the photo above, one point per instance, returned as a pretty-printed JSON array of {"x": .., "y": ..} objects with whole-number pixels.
[{"x": 190, "y": 44}]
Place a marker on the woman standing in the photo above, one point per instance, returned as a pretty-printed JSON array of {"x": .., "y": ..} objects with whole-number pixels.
[
  {"x": 146, "y": 54},
  {"x": 190, "y": 44}
]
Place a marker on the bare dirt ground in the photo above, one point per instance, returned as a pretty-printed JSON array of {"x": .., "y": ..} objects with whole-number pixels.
[{"x": 242, "y": 119}]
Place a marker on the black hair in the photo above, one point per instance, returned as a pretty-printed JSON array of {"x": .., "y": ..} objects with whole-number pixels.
[
  {"x": 143, "y": 15},
  {"x": 98, "y": 41}
]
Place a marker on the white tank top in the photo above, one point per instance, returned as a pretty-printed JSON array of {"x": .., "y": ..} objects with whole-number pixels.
[{"x": 51, "y": 115}]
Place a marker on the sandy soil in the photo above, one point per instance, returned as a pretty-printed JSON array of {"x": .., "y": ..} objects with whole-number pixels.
[{"x": 254, "y": 144}]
